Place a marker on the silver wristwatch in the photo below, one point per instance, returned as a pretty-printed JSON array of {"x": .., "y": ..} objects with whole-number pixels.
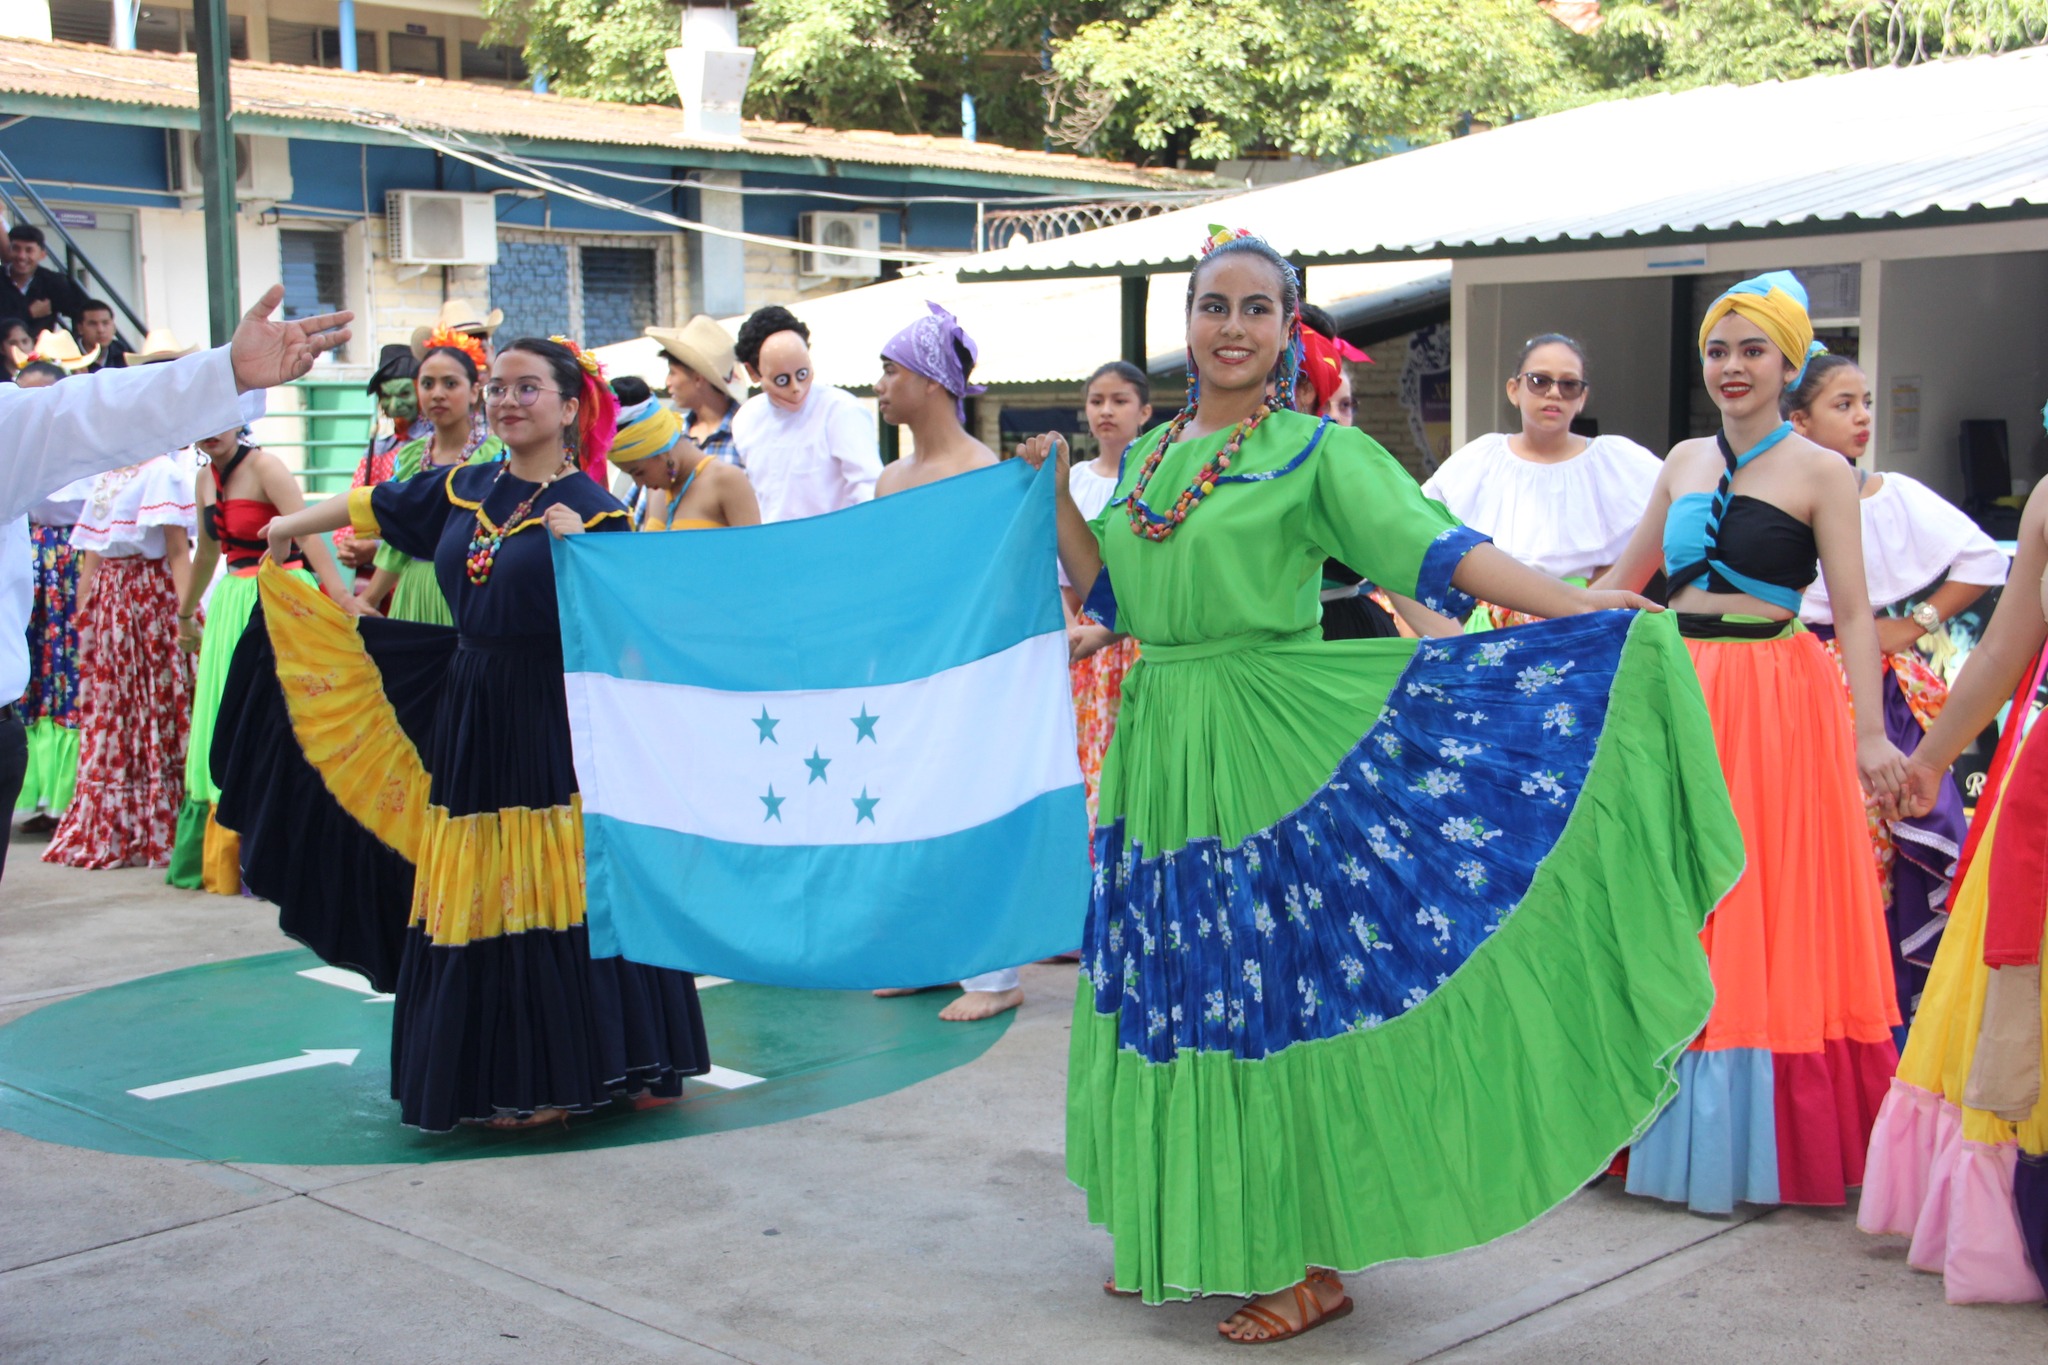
[{"x": 1926, "y": 617}]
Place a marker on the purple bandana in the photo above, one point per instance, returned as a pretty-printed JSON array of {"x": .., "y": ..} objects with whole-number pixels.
[{"x": 926, "y": 346}]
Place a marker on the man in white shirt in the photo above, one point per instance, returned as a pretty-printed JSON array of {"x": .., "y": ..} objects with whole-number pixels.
[
  {"x": 807, "y": 448},
  {"x": 95, "y": 422}
]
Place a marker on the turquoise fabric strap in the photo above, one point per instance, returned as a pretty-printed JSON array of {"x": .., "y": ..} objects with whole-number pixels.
[{"x": 1692, "y": 532}]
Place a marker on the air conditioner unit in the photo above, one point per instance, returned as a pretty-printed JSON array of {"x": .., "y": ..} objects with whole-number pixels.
[
  {"x": 827, "y": 230},
  {"x": 263, "y": 165},
  {"x": 428, "y": 227}
]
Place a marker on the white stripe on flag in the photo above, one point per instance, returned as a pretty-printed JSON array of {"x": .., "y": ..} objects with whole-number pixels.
[{"x": 874, "y": 765}]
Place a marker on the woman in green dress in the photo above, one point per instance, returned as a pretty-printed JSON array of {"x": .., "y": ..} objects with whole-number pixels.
[
  {"x": 449, "y": 391},
  {"x": 1393, "y": 943}
]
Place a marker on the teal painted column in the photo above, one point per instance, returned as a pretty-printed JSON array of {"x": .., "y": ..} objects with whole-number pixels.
[{"x": 217, "y": 169}]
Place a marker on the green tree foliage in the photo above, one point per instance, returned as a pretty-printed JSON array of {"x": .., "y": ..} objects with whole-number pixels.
[{"x": 1184, "y": 81}]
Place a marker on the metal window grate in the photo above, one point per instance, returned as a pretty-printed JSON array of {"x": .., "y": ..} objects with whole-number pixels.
[
  {"x": 482, "y": 62},
  {"x": 158, "y": 28},
  {"x": 618, "y": 293},
  {"x": 312, "y": 267}
]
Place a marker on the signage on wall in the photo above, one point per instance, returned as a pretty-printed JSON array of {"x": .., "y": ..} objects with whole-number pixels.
[
  {"x": 76, "y": 218},
  {"x": 1426, "y": 392},
  {"x": 1905, "y": 407},
  {"x": 416, "y": 30}
]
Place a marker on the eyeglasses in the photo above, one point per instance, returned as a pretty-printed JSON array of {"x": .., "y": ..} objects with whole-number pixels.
[
  {"x": 524, "y": 394},
  {"x": 1541, "y": 385}
]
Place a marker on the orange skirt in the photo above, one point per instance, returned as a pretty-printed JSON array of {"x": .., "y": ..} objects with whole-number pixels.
[{"x": 1780, "y": 1090}]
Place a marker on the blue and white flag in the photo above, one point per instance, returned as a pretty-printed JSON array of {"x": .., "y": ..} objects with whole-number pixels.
[{"x": 836, "y": 752}]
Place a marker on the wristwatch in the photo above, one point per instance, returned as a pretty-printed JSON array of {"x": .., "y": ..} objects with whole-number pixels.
[{"x": 1926, "y": 617}]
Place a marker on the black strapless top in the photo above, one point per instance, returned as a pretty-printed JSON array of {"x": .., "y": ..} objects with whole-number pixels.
[{"x": 1766, "y": 542}]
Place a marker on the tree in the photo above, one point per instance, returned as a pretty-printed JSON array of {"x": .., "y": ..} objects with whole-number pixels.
[{"x": 1183, "y": 81}]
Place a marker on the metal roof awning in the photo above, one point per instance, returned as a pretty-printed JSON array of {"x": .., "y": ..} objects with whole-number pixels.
[
  {"x": 1946, "y": 142},
  {"x": 1048, "y": 336}
]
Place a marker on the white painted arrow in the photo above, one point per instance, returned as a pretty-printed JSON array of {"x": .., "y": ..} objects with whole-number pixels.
[
  {"x": 309, "y": 1058},
  {"x": 348, "y": 981}
]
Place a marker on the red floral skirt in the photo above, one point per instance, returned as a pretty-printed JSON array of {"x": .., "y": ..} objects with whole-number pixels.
[{"x": 135, "y": 716}]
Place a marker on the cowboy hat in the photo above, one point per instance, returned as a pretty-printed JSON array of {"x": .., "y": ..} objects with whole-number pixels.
[
  {"x": 160, "y": 344},
  {"x": 59, "y": 348},
  {"x": 706, "y": 348},
  {"x": 458, "y": 315}
]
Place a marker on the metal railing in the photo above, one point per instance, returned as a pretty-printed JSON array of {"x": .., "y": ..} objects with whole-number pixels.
[
  {"x": 78, "y": 256},
  {"x": 334, "y": 420}
]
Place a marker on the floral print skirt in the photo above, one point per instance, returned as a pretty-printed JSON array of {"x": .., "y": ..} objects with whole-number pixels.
[
  {"x": 1098, "y": 694},
  {"x": 135, "y": 716}
]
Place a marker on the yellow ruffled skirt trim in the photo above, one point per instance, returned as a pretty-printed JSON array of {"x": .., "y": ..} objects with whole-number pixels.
[
  {"x": 479, "y": 876},
  {"x": 344, "y": 722}
]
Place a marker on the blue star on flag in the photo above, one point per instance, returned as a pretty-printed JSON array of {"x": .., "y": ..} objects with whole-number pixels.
[
  {"x": 774, "y": 805},
  {"x": 766, "y": 724},
  {"x": 864, "y": 725},
  {"x": 817, "y": 765},
  {"x": 865, "y": 806}
]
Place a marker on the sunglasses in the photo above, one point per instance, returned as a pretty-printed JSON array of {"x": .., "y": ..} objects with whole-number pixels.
[{"x": 1541, "y": 385}]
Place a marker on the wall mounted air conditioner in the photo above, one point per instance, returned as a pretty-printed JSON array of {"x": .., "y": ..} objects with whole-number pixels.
[
  {"x": 827, "y": 230},
  {"x": 429, "y": 227},
  {"x": 263, "y": 165}
]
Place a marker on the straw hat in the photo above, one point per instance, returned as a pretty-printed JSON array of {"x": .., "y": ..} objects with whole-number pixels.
[
  {"x": 161, "y": 344},
  {"x": 705, "y": 347},
  {"x": 60, "y": 348},
  {"x": 459, "y": 315}
]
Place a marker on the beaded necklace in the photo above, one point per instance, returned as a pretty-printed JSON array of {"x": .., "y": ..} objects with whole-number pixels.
[
  {"x": 485, "y": 539},
  {"x": 1150, "y": 524}
]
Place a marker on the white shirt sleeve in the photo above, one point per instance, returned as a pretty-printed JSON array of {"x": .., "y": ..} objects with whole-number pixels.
[
  {"x": 856, "y": 449},
  {"x": 92, "y": 422}
]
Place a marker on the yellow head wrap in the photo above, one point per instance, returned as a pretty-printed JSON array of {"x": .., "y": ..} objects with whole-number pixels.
[
  {"x": 1775, "y": 302},
  {"x": 646, "y": 432}
]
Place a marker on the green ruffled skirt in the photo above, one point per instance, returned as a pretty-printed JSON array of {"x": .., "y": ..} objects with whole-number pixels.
[
  {"x": 228, "y": 610},
  {"x": 1393, "y": 945}
]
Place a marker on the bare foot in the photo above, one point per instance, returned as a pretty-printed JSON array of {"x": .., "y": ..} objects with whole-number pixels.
[
  {"x": 1311, "y": 1303},
  {"x": 891, "y": 992},
  {"x": 981, "y": 1005},
  {"x": 539, "y": 1118}
]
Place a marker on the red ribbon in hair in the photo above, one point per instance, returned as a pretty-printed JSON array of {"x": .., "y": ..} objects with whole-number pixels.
[
  {"x": 597, "y": 416},
  {"x": 1322, "y": 365}
]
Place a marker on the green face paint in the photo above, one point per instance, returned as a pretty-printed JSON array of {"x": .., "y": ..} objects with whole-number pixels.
[{"x": 396, "y": 399}]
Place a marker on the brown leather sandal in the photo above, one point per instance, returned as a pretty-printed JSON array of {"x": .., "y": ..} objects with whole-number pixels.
[{"x": 1306, "y": 1303}]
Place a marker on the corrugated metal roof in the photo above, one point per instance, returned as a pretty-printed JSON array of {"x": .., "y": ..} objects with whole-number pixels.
[
  {"x": 1963, "y": 139},
  {"x": 315, "y": 95},
  {"x": 1046, "y": 332}
]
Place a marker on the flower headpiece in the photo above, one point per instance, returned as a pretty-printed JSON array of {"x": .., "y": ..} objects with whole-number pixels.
[
  {"x": 590, "y": 363},
  {"x": 453, "y": 340},
  {"x": 1218, "y": 235}
]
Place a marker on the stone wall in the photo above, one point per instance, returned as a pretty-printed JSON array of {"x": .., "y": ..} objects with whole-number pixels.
[
  {"x": 772, "y": 278},
  {"x": 531, "y": 283}
]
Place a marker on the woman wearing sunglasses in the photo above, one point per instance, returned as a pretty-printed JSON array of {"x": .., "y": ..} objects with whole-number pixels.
[{"x": 1559, "y": 502}]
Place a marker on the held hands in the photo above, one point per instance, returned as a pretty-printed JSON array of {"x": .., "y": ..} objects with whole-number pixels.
[
  {"x": 1921, "y": 790},
  {"x": 1883, "y": 770},
  {"x": 188, "y": 634},
  {"x": 563, "y": 521},
  {"x": 1086, "y": 638},
  {"x": 357, "y": 552},
  {"x": 266, "y": 353}
]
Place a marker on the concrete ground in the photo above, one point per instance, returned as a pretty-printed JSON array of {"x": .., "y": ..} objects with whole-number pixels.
[{"x": 932, "y": 1225}]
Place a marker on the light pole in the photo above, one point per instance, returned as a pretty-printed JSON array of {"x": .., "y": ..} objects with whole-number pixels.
[{"x": 217, "y": 167}]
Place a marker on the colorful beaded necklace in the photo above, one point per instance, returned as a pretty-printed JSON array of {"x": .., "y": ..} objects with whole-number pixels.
[
  {"x": 1150, "y": 524},
  {"x": 485, "y": 539}
]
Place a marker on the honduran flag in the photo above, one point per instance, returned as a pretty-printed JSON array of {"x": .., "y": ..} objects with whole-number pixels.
[{"x": 836, "y": 752}]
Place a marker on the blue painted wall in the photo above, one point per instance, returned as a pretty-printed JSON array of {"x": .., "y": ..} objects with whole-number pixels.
[{"x": 340, "y": 177}]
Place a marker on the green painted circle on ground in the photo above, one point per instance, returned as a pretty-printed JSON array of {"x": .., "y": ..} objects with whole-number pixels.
[{"x": 68, "y": 1071}]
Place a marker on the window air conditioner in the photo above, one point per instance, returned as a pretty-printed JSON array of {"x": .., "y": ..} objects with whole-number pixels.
[
  {"x": 427, "y": 227},
  {"x": 827, "y": 230},
  {"x": 263, "y": 165}
]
